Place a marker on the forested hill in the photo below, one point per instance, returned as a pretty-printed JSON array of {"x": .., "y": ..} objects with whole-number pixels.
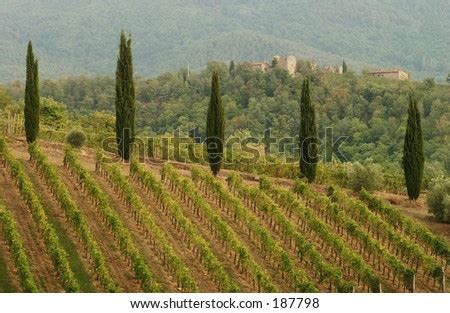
[
  {"x": 74, "y": 37},
  {"x": 370, "y": 112}
]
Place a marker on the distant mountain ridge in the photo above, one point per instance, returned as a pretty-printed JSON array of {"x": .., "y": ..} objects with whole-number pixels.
[{"x": 74, "y": 37}]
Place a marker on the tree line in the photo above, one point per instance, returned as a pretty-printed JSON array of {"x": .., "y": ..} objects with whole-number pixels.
[{"x": 125, "y": 111}]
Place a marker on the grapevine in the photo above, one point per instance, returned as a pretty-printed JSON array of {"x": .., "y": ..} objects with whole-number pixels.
[
  {"x": 74, "y": 215},
  {"x": 112, "y": 219},
  {"x": 159, "y": 240},
  {"x": 181, "y": 222}
]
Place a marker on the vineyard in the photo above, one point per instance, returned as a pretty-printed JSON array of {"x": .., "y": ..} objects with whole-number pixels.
[{"x": 72, "y": 221}]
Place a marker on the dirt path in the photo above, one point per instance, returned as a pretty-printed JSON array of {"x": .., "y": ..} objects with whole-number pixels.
[
  {"x": 9, "y": 280},
  {"x": 40, "y": 262},
  {"x": 418, "y": 210}
]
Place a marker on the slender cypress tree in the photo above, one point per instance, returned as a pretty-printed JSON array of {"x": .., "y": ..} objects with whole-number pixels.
[
  {"x": 31, "y": 110},
  {"x": 344, "y": 67},
  {"x": 232, "y": 68},
  {"x": 308, "y": 135},
  {"x": 125, "y": 99},
  {"x": 413, "y": 158},
  {"x": 215, "y": 126}
]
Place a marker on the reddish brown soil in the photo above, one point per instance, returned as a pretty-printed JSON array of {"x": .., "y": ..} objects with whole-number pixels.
[
  {"x": 217, "y": 248},
  {"x": 200, "y": 274},
  {"x": 10, "y": 268},
  {"x": 418, "y": 210},
  {"x": 56, "y": 213},
  {"x": 120, "y": 270},
  {"x": 40, "y": 262},
  {"x": 163, "y": 277}
]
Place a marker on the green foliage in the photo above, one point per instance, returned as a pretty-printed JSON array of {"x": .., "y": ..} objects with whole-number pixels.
[
  {"x": 31, "y": 110},
  {"x": 125, "y": 102},
  {"x": 51, "y": 240},
  {"x": 382, "y": 33},
  {"x": 404, "y": 248},
  {"x": 268, "y": 245},
  {"x": 225, "y": 233},
  {"x": 366, "y": 176},
  {"x": 74, "y": 215},
  {"x": 308, "y": 139},
  {"x": 98, "y": 126},
  {"x": 409, "y": 227},
  {"x": 113, "y": 220},
  {"x": 429, "y": 83},
  {"x": 413, "y": 158},
  {"x": 232, "y": 69},
  {"x": 170, "y": 206},
  {"x": 438, "y": 200},
  {"x": 344, "y": 67},
  {"x": 294, "y": 207},
  {"x": 54, "y": 115},
  {"x": 145, "y": 219},
  {"x": 5, "y": 99},
  {"x": 308, "y": 249},
  {"x": 215, "y": 126},
  {"x": 369, "y": 112},
  {"x": 16, "y": 246},
  {"x": 76, "y": 138}
]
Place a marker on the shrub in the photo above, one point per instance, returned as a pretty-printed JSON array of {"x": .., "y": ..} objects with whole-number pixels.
[
  {"x": 367, "y": 176},
  {"x": 438, "y": 200},
  {"x": 76, "y": 138}
]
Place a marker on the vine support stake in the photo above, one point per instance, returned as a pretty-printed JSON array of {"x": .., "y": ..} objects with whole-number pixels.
[{"x": 414, "y": 284}]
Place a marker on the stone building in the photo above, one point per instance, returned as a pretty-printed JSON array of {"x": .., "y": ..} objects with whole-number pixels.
[
  {"x": 263, "y": 66},
  {"x": 289, "y": 63},
  {"x": 393, "y": 74}
]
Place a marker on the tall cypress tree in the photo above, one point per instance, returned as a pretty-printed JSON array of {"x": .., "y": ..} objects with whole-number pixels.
[
  {"x": 413, "y": 158},
  {"x": 215, "y": 126},
  {"x": 308, "y": 135},
  {"x": 31, "y": 110},
  {"x": 344, "y": 67},
  {"x": 125, "y": 99},
  {"x": 232, "y": 68}
]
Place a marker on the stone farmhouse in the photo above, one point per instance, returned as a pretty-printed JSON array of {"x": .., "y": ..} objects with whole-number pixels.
[
  {"x": 393, "y": 74},
  {"x": 263, "y": 66},
  {"x": 289, "y": 63}
]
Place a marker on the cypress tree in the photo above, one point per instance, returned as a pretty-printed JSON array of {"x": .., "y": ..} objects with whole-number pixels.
[
  {"x": 232, "y": 68},
  {"x": 413, "y": 158},
  {"x": 308, "y": 135},
  {"x": 215, "y": 126},
  {"x": 125, "y": 99},
  {"x": 31, "y": 110},
  {"x": 344, "y": 67}
]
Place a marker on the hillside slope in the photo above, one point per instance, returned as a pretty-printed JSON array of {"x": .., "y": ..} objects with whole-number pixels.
[{"x": 80, "y": 37}]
